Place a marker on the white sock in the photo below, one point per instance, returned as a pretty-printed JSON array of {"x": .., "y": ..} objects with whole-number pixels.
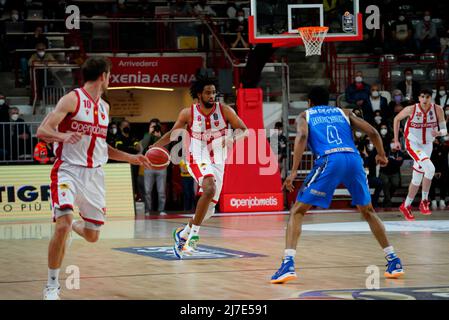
[
  {"x": 194, "y": 231},
  {"x": 289, "y": 253},
  {"x": 185, "y": 232},
  {"x": 53, "y": 278},
  {"x": 388, "y": 250},
  {"x": 408, "y": 201},
  {"x": 425, "y": 195}
]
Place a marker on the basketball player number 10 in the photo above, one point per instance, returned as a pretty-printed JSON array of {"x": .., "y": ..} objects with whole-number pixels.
[{"x": 332, "y": 135}]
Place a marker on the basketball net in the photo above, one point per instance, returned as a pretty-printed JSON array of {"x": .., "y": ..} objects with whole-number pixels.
[{"x": 313, "y": 38}]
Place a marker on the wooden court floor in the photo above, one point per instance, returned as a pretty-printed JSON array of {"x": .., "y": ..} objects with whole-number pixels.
[{"x": 333, "y": 254}]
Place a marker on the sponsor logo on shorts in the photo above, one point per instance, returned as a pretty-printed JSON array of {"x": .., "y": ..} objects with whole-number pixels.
[
  {"x": 63, "y": 186},
  {"x": 204, "y": 252},
  {"x": 318, "y": 193}
]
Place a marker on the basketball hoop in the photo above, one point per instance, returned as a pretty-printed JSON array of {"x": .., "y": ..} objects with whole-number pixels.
[{"x": 313, "y": 38}]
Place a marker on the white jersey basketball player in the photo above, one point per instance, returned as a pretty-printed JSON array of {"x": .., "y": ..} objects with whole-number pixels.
[
  {"x": 78, "y": 128},
  {"x": 426, "y": 121},
  {"x": 206, "y": 149}
]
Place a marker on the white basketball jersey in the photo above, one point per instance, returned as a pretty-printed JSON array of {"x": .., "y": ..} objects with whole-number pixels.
[
  {"x": 206, "y": 135},
  {"x": 420, "y": 124},
  {"x": 91, "y": 119}
]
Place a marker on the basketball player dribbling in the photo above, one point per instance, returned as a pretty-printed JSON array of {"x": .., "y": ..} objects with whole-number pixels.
[
  {"x": 420, "y": 131},
  {"x": 206, "y": 143},
  {"x": 78, "y": 127},
  {"x": 328, "y": 133}
]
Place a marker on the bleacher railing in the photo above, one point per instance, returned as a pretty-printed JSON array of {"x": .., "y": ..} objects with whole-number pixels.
[{"x": 17, "y": 142}]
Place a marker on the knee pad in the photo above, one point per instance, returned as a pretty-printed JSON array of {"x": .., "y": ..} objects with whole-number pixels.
[
  {"x": 428, "y": 168},
  {"x": 417, "y": 178},
  {"x": 210, "y": 211}
]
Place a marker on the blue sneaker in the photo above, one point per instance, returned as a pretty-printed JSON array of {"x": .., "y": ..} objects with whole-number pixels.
[
  {"x": 179, "y": 242},
  {"x": 286, "y": 272},
  {"x": 394, "y": 267}
]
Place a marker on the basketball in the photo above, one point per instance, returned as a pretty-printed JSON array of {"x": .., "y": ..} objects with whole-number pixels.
[{"x": 159, "y": 158}]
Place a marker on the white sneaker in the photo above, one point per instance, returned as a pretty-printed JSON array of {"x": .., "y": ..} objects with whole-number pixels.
[
  {"x": 442, "y": 204},
  {"x": 52, "y": 293},
  {"x": 434, "y": 205},
  {"x": 163, "y": 213}
]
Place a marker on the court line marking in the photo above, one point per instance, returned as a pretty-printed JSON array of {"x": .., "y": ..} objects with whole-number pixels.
[{"x": 210, "y": 272}]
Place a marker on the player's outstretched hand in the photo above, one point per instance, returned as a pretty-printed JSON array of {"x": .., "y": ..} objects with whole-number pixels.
[
  {"x": 72, "y": 137},
  {"x": 382, "y": 160},
  {"x": 140, "y": 160},
  {"x": 288, "y": 183}
]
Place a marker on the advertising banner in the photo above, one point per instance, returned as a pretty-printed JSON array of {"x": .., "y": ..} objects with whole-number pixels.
[
  {"x": 25, "y": 191},
  {"x": 154, "y": 71}
]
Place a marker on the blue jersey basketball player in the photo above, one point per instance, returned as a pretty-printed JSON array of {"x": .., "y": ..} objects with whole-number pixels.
[{"x": 328, "y": 133}]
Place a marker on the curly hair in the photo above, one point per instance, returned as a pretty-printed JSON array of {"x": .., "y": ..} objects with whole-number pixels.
[{"x": 199, "y": 84}]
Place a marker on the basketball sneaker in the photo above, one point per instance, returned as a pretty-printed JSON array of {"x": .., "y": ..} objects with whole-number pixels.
[
  {"x": 424, "y": 208},
  {"x": 394, "y": 267},
  {"x": 286, "y": 272},
  {"x": 51, "y": 293},
  {"x": 193, "y": 243},
  {"x": 407, "y": 212},
  {"x": 179, "y": 242}
]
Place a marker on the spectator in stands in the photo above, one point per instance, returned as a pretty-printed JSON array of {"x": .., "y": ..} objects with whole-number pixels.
[
  {"x": 426, "y": 35},
  {"x": 41, "y": 55},
  {"x": 401, "y": 36},
  {"x": 374, "y": 103},
  {"x": 43, "y": 153},
  {"x": 385, "y": 134},
  {"x": 113, "y": 134},
  {"x": 154, "y": 176},
  {"x": 409, "y": 87},
  {"x": 369, "y": 153},
  {"x": 20, "y": 133},
  {"x": 391, "y": 174},
  {"x": 4, "y": 134},
  {"x": 187, "y": 187},
  {"x": 203, "y": 9},
  {"x": 377, "y": 119},
  {"x": 128, "y": 143},
  {"x": 37, "y": 37},
  {"x": 440, "y": 96},
  {"x": 181, "y": 9},
  {"x": 358, "y": 92},
  {"x": 444, "y": 46},
  {"x": 278, "y": 142},
  {"x": 440, "y": 160},
  {"x": 395, "y": 106},
  {"x": 446, "y": 113},
  {"x": 231, "y": 9}
]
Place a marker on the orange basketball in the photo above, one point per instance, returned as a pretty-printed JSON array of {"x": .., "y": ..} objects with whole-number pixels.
[{"x": 159, "y": 158}]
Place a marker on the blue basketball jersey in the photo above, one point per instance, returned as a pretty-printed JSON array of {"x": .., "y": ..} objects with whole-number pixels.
[{"x": 329, "y": 131}]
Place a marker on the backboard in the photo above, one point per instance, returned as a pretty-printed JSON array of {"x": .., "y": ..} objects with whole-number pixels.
[{"x": 277, "y": 21}]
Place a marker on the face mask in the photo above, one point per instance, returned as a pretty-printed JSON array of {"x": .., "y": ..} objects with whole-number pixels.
[
  {"x": 442, "y": 92},
  {"x": 126, "y": 130},
  {"x": 14, "y": 117},
  {"x": 426, "y": 18},
  {"x": 41, "y": 53},
  {"x": 358, "y": 79},
  {"x": 391, "y": 146},
  {"x": 408, "y": 78},
  {"x": 375, "y": 94},
  {"x": 383, "y": 132},
  {"x": 397, "y": 99},
  {"x": 2, "y": 102},
  {"x": 15, "y": 17},
  {"x": 114, "y": 130},
  {"x": 370, "y": 147},
  {"x": 401, "y": 18},
  {"x": 378, "y": 119},
  {"x": 240, "y": 18},
  {"x": 358, "y": 134},
  {"x": 446, "y": 113}
]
